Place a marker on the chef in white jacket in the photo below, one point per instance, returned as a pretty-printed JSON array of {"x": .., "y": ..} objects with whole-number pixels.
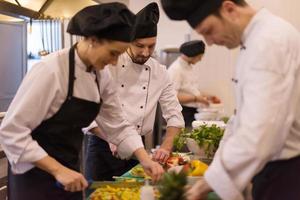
[
  {"x": 142, "y": 83},
  {"x": 41, "y": 132},
  {"x": 183, "y": 72},
  {"x": 262, "y": 142}
]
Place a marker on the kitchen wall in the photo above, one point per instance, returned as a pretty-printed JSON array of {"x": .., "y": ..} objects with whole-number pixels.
[
  {"x": 170, "y": 33},
  {"x": 216, "y": 69}
]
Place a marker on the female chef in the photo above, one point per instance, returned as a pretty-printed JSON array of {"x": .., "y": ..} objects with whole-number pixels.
[{"x": 41, "y": 133}]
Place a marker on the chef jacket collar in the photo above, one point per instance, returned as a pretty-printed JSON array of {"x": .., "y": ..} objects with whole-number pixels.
[
  {"x": 184, "y": 63},
  {"x": 251, "y": 25}
]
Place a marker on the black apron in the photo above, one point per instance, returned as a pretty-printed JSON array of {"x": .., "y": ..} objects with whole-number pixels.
[
  {"x": 188, "y": 115},
  {"x": 61, "y": 137},
  {"x": 279, "y": 180},
  {"x": 101, "y": 164}
]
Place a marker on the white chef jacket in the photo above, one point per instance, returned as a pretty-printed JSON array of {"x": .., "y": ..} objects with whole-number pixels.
[
  {"x": 185, "y": 79},
  {"x": 267, "y": 122},
  {"x": 40, "y": 96},
  {"x": 140, "y": 88}
]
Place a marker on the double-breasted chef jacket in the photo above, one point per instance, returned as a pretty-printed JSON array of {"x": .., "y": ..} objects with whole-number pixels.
[
  {"x": 266, "y": 126},
  {"x": 186, "y": 79},
  {"x": 141, "y": 88}
]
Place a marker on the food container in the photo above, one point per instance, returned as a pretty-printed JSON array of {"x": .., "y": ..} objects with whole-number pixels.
[
  {"x": 197, "y": 123},
  {"x": 194, "y": 147},
  {"x": 206, "y": 116}
]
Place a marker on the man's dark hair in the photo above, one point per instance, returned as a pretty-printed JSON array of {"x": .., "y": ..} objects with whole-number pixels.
[{"x": 241, "y": 3}]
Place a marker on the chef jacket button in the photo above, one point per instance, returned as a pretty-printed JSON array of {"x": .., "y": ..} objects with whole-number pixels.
[
  {"x": 141, "y": 107},
  {"x": 122, "y": 85},
  {"x": 146, "y": 68},
  {"x": 144, "y": 88},
  {"x": 138, "y": 126},
  {"x": 123, "y": 66}
]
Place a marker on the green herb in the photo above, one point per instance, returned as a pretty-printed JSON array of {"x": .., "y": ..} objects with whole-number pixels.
[
  {"x": 180, "y": 140},
  {"x": 225, "y": 119},
  {"x": 206, "y": 137}
]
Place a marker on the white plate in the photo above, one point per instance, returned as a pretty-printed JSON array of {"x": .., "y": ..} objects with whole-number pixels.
[
  {"x": 197, "y": 123},
  {"x": 206, "y": 116},
  {"x": 216, "y": 105}
]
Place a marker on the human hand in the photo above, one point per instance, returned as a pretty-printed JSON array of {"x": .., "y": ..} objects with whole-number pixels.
[
  {"x": 113, "y": 149},
  {"x": 198, "y": 191},
  {"x": 71, "y": 180},
  {"x": 214, "y": 99},
  {"x": 161, "y": 155},
  {"x": 153, "y": 169},
  {"x": 202, "y": 99}
]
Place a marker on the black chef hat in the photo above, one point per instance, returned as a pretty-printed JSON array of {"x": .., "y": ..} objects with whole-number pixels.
[
  {"x": 109, "y": 20},
  {"x": 192, "y": 48},
  {"x": 194, "y": 11},
  {"x": 146, "y": 21}
]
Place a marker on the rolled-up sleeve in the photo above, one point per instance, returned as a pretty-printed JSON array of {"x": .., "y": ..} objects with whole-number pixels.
[
  {"x": 86, "y": 130},
  {"x": 25, "y": 113},
  {"x": 112, "y": 121},
  {"x": 170, "y": 105}
]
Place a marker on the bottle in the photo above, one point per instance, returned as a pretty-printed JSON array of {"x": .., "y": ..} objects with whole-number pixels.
[{"x": 147, "y": 192}]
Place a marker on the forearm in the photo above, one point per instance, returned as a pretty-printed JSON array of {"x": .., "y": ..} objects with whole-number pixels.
[
  {"x": 49, "y": 165},
  {"x": 97, "y": 131},
  {"x": 169, "y": 138},
  {"x": 142, "y": 155},
  {"x": 186, "y": 98},
  {"x": 70, "y": 180}
]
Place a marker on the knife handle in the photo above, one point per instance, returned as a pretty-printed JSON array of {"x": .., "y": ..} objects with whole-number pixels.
[{"x": 61, "y": 186}]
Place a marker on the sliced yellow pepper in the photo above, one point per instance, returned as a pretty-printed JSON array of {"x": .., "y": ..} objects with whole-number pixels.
[{"x": 198, "y": 168}]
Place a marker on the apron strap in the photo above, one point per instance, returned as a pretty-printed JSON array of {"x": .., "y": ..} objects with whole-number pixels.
[{"x": 72, "y": 71}]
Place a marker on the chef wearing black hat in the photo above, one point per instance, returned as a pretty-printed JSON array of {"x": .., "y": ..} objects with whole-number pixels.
[
  {"x": 142, "y": 82},
  {"x": 184, "y": 75},
  {"x": 262, "y": 143},
  {"x": 41, "y": 132}
]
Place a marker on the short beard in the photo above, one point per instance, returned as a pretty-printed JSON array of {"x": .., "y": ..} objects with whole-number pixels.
[
  {"x": 140, "y": 59},
  {"x": 137, "y": 59}
]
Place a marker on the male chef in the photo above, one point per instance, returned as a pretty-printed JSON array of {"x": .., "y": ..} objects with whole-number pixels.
[
  {"x": 262, "y": 142},
  {"x": 142, "y": 83}
]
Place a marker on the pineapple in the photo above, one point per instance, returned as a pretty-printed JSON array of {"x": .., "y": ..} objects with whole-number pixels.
[{"x": 172, "y": 185}]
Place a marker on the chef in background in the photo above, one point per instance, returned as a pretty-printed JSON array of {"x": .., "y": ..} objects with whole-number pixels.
[
  {"x": 142, "y": 83},
  {"x": 41, "y": 132},
  {"x": 262, "y": 141},
  {"x": 185, "y": 77}
]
